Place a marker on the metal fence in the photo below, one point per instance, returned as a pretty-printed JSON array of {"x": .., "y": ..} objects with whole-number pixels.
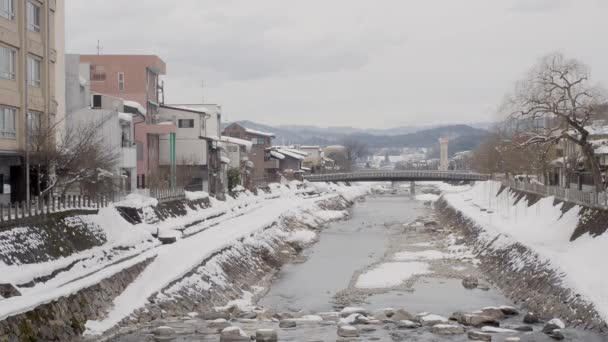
[
  {"x": 40, "y": 206},
  {"x": 586, "y": 198},
  {"x": 168, "y": 194}
]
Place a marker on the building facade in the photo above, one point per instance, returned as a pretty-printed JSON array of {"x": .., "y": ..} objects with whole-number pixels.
[
  {"x": 31, "y": 45},
  {"x": 116, "y": 129},
  {"x": 136, "y": 78},
  {"x": 265, "y": 168}
]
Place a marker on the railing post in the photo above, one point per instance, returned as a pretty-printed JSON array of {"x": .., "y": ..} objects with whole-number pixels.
[{"x": 1, "y": 212}]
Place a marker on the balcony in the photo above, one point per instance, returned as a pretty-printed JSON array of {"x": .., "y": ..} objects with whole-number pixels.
[
  {"x": 128, "y": 157},
  {"x": 271, "y": 164}
]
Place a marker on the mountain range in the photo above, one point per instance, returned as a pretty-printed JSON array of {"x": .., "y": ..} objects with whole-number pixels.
[{"x": 462, "y": 137}]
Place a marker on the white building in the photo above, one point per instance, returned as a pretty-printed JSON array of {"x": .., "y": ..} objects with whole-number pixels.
[{"x": 197, "y": 146}]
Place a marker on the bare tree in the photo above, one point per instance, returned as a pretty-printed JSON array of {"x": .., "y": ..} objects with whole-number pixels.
[
  {"x": 354, "y": 150},
  {"x": 79, "y": 156},
  {"x": 558, "y": 99}
]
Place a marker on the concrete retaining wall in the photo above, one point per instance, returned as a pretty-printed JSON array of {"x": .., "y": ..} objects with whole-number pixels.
[{"x": 64, "y": 318}]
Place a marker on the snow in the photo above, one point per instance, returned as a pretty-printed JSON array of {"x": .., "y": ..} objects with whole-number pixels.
[
  {"x": 557, "y": 322},
  {"x": 225, "y": 160},
  {"x": 543, "y": 229},
  {"x": 125, "y": 117},
  {"x": 427, "y": 197},
  {"x": 83, "y": 81},
  {"x": 195, "y": 195},
  {"x": 302, "y": 237},
  {"x": 137, "y": 201},
  {"x": 135, "y": 105},
  {"x": 432, "y": 318},
  {"x": 277, "y": 155},
  {"x": 391, "y": 274},
  {"x": 176, "y": 260},
  {"x": 490, "y": 329},
  {"x": 253, "y": 131},
  {"x": 248, "y": 144},
  {"x": 421, "y": 255}
]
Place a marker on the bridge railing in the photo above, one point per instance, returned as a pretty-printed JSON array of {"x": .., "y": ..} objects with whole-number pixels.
[
  {"x": 585, "y": 198},
  {"x": 396, "y": 175}
]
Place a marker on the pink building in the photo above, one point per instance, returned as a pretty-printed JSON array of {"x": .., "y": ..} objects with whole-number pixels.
[{"x": 136, "y": 78}]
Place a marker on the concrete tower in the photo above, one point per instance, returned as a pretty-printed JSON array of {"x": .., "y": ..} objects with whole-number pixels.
[{"x": 443, "y": 154}]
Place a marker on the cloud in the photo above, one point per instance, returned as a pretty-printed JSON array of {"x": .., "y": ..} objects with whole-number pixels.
[{"x": 538, "y": 5}]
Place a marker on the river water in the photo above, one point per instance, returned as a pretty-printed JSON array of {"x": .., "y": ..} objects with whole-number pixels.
[{"x": 328, "y": 279}]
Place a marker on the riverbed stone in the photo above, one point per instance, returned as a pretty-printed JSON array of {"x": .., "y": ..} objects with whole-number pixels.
[
  {"x": 347, "y": 311},
  {"x": 401, "y": 314},
  {"x": 233, "y": 334},
  {"x": 348, "y": 331},
  {"x": 549, "y": 327},
  {"x": 163, "y": 331},
  {"x": 524, "y": 328},
  {"x": 479, "y": 336},
  {"x": 447, "y": 329},
  {"x": 556, "y": 335},
  {"x": 531, "y": 318},
  {"x": 266, "y": 335},
  {"x": 470, "y": 282},
  {"x": 509, "y": 310},
  {"x": 430, "y": 320},
  {"x": 478, "y": 320},
  {"x": 218, "y": 324},
  {"x": 287, "y": 324},
  {"x": 407, "y": 324},
  {"x": 493, "y": 312}
]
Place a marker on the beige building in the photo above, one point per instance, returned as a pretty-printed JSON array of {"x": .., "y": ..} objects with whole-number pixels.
[{"x": 31, "y": 41}]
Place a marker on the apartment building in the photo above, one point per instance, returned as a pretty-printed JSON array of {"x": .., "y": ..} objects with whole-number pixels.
[
  {"x": 31, "y": 45},
  {"x": 265, "y": 168},
  {"x": 136, "y": 79}
]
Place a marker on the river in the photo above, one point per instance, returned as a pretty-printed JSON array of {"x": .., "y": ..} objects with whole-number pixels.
[{"x": 358, "y": 262}]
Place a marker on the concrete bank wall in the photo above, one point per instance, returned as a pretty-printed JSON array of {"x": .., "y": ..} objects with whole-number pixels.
[{"x": 522, "y": 275}]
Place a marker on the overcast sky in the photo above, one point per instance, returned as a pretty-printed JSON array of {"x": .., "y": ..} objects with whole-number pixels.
[{"x": 344, "y": 62}]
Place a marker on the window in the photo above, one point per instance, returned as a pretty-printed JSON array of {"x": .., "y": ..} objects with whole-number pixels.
[
  {"x": 7, "y": 123},
  {"x": 121, "y": 81},
  {"x": 185, "y": 123},
  {"x": 33, "y": 17},
  {"x": 7, "y": 63},
  {"x": 33, "y": 122},
  {"x": 97, "y": 72},
  {"x": 33, "y": 71},
  {"x": 7, "y": 9},
  {"x": 258, "y": 141}
]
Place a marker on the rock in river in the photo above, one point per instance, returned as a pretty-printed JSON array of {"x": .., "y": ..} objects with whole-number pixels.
[
  {"x": 348, "y": 331},
  {"x": 531, "y": 318},
  {"x": 233, "y": 334},
  {"x": 447, "y": 329},
  {"x": 286, "y": 324},
  {"x": 266, "y": 335},
  {"x": 470, "y": 282},
  {"x": 479, "y": 336}
]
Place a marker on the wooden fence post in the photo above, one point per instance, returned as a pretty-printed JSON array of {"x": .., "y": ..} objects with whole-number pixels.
[{"x": 1, "y": 212}]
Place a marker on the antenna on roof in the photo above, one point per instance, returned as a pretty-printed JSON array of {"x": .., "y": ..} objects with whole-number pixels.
[
  {"x": 202, "y": 91},
  {"x": 99, "y": 47}
]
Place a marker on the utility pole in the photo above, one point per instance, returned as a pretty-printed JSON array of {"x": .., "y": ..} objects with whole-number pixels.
[
  {"x": 99, "y": 48},
  {"x": 26, "y": 111}
]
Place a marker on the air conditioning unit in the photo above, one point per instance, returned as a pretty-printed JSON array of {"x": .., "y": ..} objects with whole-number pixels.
[{"x": 96, "y": 101}]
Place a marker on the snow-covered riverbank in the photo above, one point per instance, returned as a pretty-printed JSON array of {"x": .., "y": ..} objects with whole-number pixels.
[
  {"x": 534, "y": 233},
  {"x": 200, "y": 233}
]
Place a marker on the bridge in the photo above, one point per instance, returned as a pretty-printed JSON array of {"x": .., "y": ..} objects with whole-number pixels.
[{"x": 397, "y": 176}]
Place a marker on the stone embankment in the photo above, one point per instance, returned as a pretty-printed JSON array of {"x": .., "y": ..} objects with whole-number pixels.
[{"x": 522, "y": 274}]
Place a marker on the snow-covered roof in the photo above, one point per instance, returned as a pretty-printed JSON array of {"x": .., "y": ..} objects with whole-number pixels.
[
  {"x": 291, "y": 150},
  {"x": 225, "y": 160},
  {"x": 125, "y": 117},
  {"x": 291, "y": 153},
  {"x": 253, "y": 131},
  {"x": 135, "y": 105},
  {"x": 328, "y": 159},
  {"x": 237, "y": 141},
  {"x": 277, "y": 155},
  {"x": 310, "y": 147},
  {"x": 249, "y": 163},
  {"x": 193, "y": 108},
  {"x": 305, "y": 168}
]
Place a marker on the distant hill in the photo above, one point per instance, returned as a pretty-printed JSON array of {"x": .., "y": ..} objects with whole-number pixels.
[{"x": 462, "y": 137}]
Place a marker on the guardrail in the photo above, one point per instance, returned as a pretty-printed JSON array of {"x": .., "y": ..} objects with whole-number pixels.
[
  {"x": 17, "y": 211},
  {"x": 397, "y": 175},
  {"x": 585, "y": 198}
]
